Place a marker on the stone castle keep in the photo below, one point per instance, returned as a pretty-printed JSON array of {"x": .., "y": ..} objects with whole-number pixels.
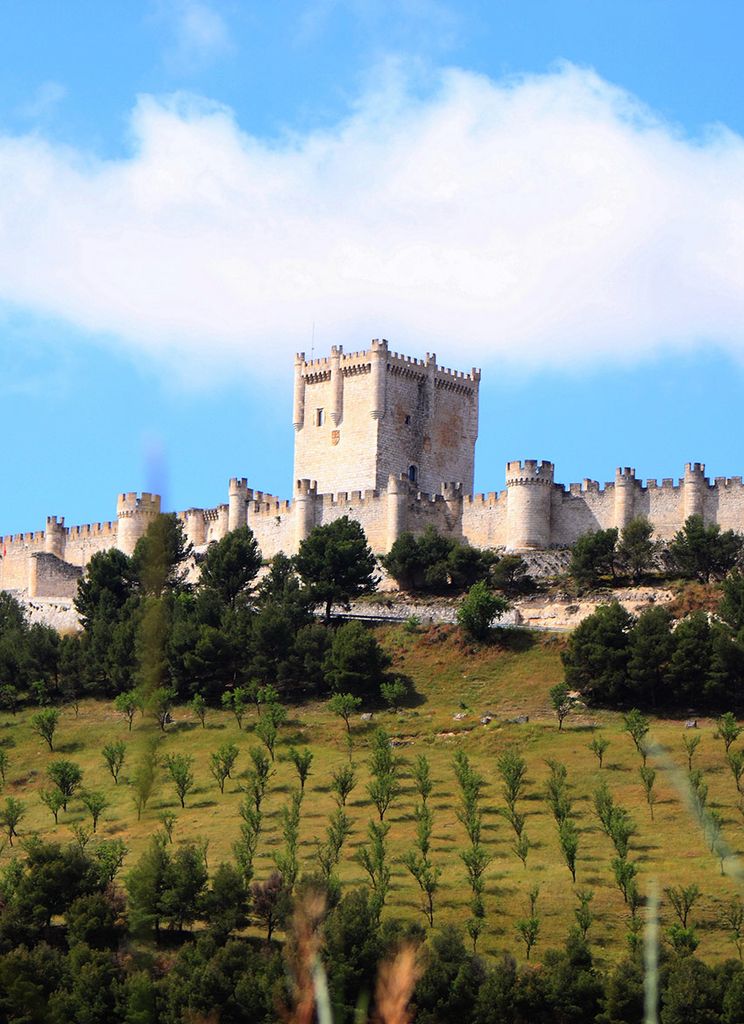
[{"x": 389, "y": 441}]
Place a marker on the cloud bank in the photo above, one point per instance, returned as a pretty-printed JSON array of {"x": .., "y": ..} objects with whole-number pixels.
[{"x": 545, "y": 220}]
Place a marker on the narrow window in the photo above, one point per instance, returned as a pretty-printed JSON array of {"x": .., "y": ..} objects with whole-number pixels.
[
  {"x": 412, "y": 474},
  {"x": 408, "y": 420},
  {"x": 319, "y": 417}
]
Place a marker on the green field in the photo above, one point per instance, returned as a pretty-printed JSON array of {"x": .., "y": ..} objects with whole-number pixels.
[{"x": 507, "y": 680}]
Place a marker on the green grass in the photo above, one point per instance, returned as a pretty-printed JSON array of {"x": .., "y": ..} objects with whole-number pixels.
[{"x": 509, "y": 680}]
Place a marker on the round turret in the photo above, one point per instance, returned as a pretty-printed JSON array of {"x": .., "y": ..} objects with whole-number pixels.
[
  {"x": 625, "y": 483},
  {"x": 529, "y": 488},
  {"x": 694, "y": 489},
  {"x": 134, "y": 514},
  {"x": 55, "y": 536},
  {"x": 238, "y": 496}
]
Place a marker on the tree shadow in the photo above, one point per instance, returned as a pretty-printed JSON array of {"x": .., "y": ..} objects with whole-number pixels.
[{"x": 72, "y": 747}]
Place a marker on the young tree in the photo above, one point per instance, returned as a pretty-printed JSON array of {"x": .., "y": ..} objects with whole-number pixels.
[
  {"x": 344, "y": 705},
  {"x": 178, "y": 767},
  {"x": 128, "y": 704},
  {"x": 728, "y": 729},
  {"x": 691, "y": 743},
  {"x": 568, "y": 837},
  {"x": 529, "y": 931},
  {"x": 66, "y": 776},
  {"x": 394, "y": 692},
  {"x": 96, "y": 803},
  {"x": 732, "y": 918},
  {"x": 598, "y": 747},
  {"x": 335, "y": 564},
  {"x": 561, "y": 702},
  {"x": 735, "y": 761},
  {"x": 269, "y": 902},
  {"x": 199, "y": 707},
  {"x": 168, "y": 821},
  {"x": 4, "y": 764},
  {"x": 222, "y": 762},
  {"x": 582, "y": 913},
  {"x": 114, "y": 754},
  {"x": 521, "y": 847},
  {"x": 143, "y": 778},
  {"x": 329, "y": 851},
  {"x": 45, "y": 723},
  {"x": 422, "y": 780},
  {"x": 637, "y": 725},
  {"x": 373, "y": 858},
  {"x": 11, "y": 815},
  {"x": 479, "y": 609},
  {"x": 683, "y": 899},
  {"x": 160, "y": 704},
  {"x": 302, "y": 761},
  {"x": 237, "y": 701},
  {"x": 427, "y": 879},
  {"x": 267, "y": 729},
  {"x": 513, "y": 769},
  {"x": 286, "y": 861},
  {"x": 54, "y": 800},
  {"x": 343, "y": 781},
  {"x": 648, "y": 778}
]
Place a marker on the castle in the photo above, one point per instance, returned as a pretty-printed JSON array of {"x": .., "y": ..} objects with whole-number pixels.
[{"x": 389, "y": 441}]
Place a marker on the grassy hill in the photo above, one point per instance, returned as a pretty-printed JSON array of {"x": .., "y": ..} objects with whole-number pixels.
[{"x": 506, "y": 680}]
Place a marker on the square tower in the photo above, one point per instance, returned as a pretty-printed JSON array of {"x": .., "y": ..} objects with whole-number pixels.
[{"x": 361, "y": 417}]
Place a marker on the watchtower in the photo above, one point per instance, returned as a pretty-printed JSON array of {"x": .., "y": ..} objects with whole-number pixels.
[{"x": 363, "y": 417}]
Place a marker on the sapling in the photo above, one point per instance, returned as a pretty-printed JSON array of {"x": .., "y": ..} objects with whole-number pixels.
[
  {"x": 114, "y": 755},
  {"x": 598, "y": 747},
  {"x": 727, "y": 729},
  {"x": 648, "y": 778},
  {"x": 691, "y": 743}
]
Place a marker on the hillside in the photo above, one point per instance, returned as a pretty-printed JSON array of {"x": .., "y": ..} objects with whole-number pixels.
[{"x": 507, "y": 680}]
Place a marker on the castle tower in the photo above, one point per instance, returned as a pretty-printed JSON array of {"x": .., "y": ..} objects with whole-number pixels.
[
  {"x": 363, "y": 417},
  {"x": 529, "y": 491},
  {"x": 625, "y": 485},
  {"x": 239, "y": 494},
  {"x": 55, "y": 536},
  {"x": 134, "y": 514},
  {"x": 306, "y": 492},
  {"x": 694, "y": 485}
]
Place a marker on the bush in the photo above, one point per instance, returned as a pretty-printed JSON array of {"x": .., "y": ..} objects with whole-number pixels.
[
  {"x": 479, "y": 610},
  {"x": 433, "y": 562}
]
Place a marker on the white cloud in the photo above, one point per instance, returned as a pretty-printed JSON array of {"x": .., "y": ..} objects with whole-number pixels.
[
  {"x": 549, "y": 219},
  {"x": 200, "y": 34}
]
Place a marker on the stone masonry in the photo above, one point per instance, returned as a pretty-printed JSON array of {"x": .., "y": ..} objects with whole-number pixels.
[{"x": 389, "y": 441}]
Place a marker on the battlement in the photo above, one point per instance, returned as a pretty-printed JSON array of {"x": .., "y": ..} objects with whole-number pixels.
[
  {"x": 695, "y": 468},
  {"x": 131, "y": 503},
  {"x": 625, "y": 474},
  {"x": 529, "y": 471},
  {"x": 105, "y": 529}
]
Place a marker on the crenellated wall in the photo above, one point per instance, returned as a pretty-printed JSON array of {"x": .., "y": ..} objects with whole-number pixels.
[{"x": 397, "y": 429}]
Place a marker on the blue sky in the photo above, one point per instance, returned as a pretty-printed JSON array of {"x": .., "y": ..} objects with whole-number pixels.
[{"x": 551, "y": 190}]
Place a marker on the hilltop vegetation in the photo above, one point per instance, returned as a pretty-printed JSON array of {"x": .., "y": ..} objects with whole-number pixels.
[{"x": 203, "y": 764}]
